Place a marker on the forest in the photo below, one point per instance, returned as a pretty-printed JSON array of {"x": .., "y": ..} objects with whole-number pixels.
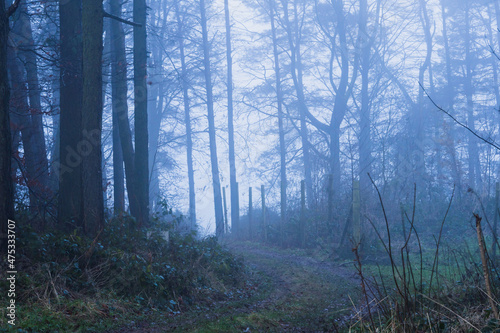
[{"x": 249, "y": 165}]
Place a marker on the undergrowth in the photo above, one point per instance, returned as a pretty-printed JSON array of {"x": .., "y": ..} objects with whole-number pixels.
[
  {"x": 75, "y": 283},
  {"x": 455, "y": 290}
]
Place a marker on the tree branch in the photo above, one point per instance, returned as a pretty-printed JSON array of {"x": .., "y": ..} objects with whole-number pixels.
[
  {"x": 119, "y": 19},
  {"x": 491, "y": 143},
  {"x": 12, "y": 8}
]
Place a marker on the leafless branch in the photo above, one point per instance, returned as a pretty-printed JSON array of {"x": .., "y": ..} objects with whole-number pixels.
[
  {"x": 119, "y": 19},
  {"x": 491, "y": 143}
]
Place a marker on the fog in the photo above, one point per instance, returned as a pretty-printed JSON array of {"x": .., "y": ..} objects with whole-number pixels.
[{"x": 325, "y": 92}]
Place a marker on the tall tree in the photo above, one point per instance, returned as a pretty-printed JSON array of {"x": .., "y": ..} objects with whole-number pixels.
[
  {"x": 141, "y": 111},
  {"x": 449, "y": 102},
  {"x": 38, "y": 176},
  {"x": 281, "y": 130},
  {"x": 70, "y": 207},
  {"x": 219, "y": 215},
  {"x": 187, "y": 117},
  {"x": 365, "y": 144},
  {"x": 235, "y": 214},
  {"x": 120, "y": 105},
  {"x": 294, "y": 42},
  {"x": 6, "y": 184},
  {"x": 472, "y": 149},
  {"x": 92, "y": 31}
]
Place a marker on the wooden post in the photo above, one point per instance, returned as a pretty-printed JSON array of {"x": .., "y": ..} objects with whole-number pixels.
[
  {"x": 263, "y": 197},
  {"x": 330, "y": 203},
  {"x": 401, "y": 207},
  {"x": 226, "y": 222},
  {"x": 236, "y": 214},
  {"x": 250, "y": 222},
  {"x": 302, "y": 212},
  {"x": 495, "y": 221},
  {"x": 283, "y": 212},
  {"x": 356, "y": 218}
]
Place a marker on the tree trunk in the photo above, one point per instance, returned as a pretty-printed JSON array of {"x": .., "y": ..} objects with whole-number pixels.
[
  {"x": 296, "y": 63},
  {"x": 450, "y": 147},
  {"x": 118, "y": 172},
  {"x": 219, "y": 216},
  {"x": 365, "y": 144},
  {"x": 92, "y": 31},
  {"x": 37, "y": 135},
  {"x": 157, "y": 97},
  {"x": 341, "y": 97},
  {"x": 21, "y": 121},
  {"x": 473, "y": 158},
  {"x": 6, "y": 184},
  {"x": 141, "y": 112},
  {"x": 71, "y": 87},
  {"x": 281, "y": 130},
  {"x": 235, "y": 214},
  {"x": 187, "y": 121},
  {"x": 120, "y": 105}
]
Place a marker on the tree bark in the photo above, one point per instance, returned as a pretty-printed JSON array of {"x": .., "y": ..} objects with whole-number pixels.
[
  {"x": 6, "y": 184},
  {"x": 141, "y": 112},
  {"x": 70, "y": 205},
  {"x": 450, "y": 147},
  {"x": 473, "y": 158},
  {"x": 365, "y": 144},
  {"x": 281, "y": 130},
  {"x": 187, "y": 120},
  {"x": 235, "y": 214},
  {"x": 92, "y": 31},
  {"x": 21, "y": 121},
  {"x": 120, "y": 105},
  {"x": 219, "y": 215},
  {"x": 37, "y": 134}
]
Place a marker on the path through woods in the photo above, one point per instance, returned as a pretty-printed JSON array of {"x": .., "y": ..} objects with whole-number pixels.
[{"x": 288, "y": 291}]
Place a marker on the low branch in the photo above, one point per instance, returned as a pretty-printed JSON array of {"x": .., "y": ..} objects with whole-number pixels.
[
  {"x": 491, "y": 143},
  {"x": 12, "y": 8},
  {"x": 119, "y": 19},
  {"x": 486, "y": 270}
]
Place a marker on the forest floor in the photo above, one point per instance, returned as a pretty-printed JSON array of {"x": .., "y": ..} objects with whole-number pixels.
[{"x": 286, "y": 291}]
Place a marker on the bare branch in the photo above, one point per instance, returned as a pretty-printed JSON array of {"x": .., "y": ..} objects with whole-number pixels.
[
  {"x": 119, "y": 19},
  {"x": 491, "y": 143}
]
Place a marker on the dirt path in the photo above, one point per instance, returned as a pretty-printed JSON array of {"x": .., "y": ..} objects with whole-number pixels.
[
  {"x": 309, "y": 295},
  {"x": 292, "y": 292}
]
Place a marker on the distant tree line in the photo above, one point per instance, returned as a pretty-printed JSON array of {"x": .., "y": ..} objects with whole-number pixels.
[{"x": 106, "y": 105}]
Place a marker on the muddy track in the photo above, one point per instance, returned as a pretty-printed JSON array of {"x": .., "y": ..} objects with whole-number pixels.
[{"x": 295, "y": 293}]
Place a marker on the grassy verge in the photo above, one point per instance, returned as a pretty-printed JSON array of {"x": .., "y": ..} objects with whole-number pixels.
[{"x": 125, "y": 276}]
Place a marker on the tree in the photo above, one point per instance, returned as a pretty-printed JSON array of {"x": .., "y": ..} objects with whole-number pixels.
[
  {"x": 365, "y": 144},
  {"x": 281, "y": 130},
  {"x": 219, "y": 216},
  {"x": 235, "y": 214},
  {"x": 120, "y": 108},
  {"x": 141, "y": 112},
  {"x": 472, "y": 150},
  {"x": 70, "y": 204},
  {"x": 6, "y": 184},
  {"x": 24, "y": 71},
  {"x": 294, "y": 44},
  {"x": 187, "y": 117},
  {"x": 92, "y": 30}
]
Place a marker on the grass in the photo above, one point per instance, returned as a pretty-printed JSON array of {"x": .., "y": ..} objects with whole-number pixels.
[{"x": 70, "y": 283}]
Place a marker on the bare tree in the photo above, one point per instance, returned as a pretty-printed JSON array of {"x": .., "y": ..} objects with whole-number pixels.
[{"x": 219, "y": 215}]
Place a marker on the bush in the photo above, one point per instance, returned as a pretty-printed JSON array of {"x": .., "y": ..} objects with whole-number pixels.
[{"x": 136, "y": 265}]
